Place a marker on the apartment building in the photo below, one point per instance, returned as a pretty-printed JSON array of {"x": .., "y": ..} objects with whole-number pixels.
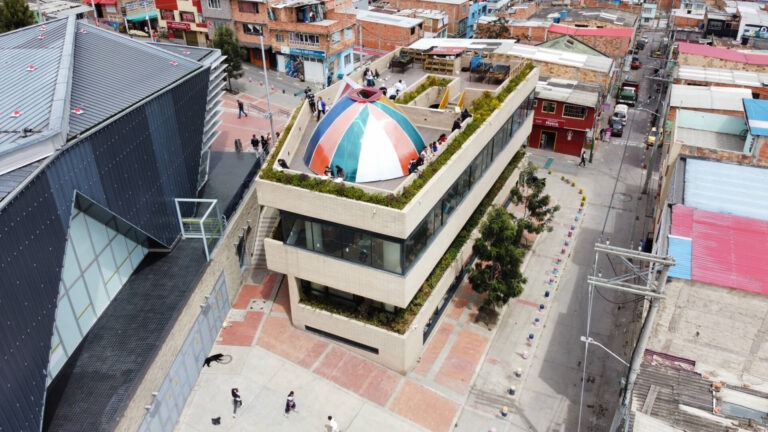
[
  {"x": 458, "y": 13},
  {"x": 362, "y": 261}
]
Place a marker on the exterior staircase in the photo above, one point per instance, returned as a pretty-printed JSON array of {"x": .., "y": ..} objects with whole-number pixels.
[{"x": 268, "y": 219}]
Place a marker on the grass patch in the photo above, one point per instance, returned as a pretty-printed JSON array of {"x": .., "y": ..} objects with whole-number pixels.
[
  {"x": 431, "y": 81},
  {"x": 481, "y": 109}
]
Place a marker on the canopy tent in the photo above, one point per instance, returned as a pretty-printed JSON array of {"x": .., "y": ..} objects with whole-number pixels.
[{"x": 366, "y": 136}]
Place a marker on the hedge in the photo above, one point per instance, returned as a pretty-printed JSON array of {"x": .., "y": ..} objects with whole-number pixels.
[
  {"x": 431, "y": 81},
  {"x": 481, "y": 109}
]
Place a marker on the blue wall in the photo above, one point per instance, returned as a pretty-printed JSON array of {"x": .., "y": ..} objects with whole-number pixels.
[{"x": 476, "y": 10}]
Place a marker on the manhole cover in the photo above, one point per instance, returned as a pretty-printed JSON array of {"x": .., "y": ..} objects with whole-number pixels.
[
  {"x": 257, "y": 305},
  {"x": 623, "y": 197}
]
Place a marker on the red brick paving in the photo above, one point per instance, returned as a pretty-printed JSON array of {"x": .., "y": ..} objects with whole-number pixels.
[
  {"x": 359, "y": 375},
  {"x": 241, "y": 333},
  {"x": 280, "y": 337},
  {"x": 457, "y": 307},
  {"x": 459, "y": 366},
  {"x": 425, "y": 407},
  {"x": 282, "y": 303},
  {"x": 434, "y": 347},
  {"x": 527, "y": 302},
  {"x": 251, "y": 292}
]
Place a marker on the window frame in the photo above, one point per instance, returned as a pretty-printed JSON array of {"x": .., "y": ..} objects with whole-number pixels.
[
  {"x": 546, "y": 104},
  {"x": 582, "y": 108}
]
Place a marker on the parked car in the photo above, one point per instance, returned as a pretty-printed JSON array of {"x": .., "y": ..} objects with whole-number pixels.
[
  {"x": 620, "y": 113},
  {"x": 636, "y": 63},
  {"x": 617, "y": 128},
  {"x": 652, "y": 137},
  {"x": 641, "y": 43}
]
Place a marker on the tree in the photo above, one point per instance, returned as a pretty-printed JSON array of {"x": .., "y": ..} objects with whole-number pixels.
[
  {"x": 538, "y": 212},
  {"x": 495, "y": 30},
  {"x": 497, "y": 269},
  {"x": 226, "y": 40},
  {"x": 15, "y": 14}
]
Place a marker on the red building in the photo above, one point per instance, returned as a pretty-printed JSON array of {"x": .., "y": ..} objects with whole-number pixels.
[{"x": 564, "y": 116}]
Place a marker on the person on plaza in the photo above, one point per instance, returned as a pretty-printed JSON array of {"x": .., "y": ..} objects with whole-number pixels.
[
  {"x": 583, "y": 162},
  {"x": 456, "y": 124},
  {"x": 331, "y": 425},
  {"x": 321, "y": 107},
  {"x": 265, "y": 144},
  {"x": 290, "y": 404},
  {"x": 369, "y": 79},
  {"x": 241, "y": 109},
  {"x": 376, "y": 74},
  {"x": 254, "y": 142},
  {"x": 328, "y": 171},
  {"x": 237, "y": 401}
]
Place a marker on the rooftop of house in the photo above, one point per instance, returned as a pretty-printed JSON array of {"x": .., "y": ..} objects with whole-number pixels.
[
  {"x": 572, "y": 92},
  {"x": 757, "y": 116},
  {"x": 723, "y": 53},
  {"x": 723, "y": 76},
  {"x": 571, "y": 44},
  {"x": 711, "y": 98},
  {"x": 611, "y": 32},
  {"x": 612, "y": 16},
  {"x": 510, "y": 47},
  {"x": 60, "y": 8},
  {"x": 393, "y": 20}
]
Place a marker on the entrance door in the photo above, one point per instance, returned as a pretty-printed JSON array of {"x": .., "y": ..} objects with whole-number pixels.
[{"x": 547, "y": 141}]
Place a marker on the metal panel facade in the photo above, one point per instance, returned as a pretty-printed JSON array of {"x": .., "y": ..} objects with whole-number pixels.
[{"x": 134, "y": 166}]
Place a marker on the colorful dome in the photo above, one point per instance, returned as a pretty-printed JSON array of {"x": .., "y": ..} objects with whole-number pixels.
[{"x": 367, "y": 136}]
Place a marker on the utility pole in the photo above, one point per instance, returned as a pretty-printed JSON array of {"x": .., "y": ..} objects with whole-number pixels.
[{"x": 646, "y": 275}]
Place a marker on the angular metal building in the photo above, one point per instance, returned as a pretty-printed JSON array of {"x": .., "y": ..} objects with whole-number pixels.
[{"x": 99, "y": 134}]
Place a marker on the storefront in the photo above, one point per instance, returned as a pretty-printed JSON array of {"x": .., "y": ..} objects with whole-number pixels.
[{"x": 313, "y": 65}]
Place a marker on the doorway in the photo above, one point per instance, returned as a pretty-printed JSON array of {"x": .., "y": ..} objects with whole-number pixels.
[{"x": 547, "y": 141}]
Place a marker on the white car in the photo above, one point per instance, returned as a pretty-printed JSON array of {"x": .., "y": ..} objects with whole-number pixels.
[{"x": 620, "y": 113}]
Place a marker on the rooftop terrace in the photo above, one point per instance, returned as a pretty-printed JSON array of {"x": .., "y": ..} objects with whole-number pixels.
[{"x": 422, "y": 111}]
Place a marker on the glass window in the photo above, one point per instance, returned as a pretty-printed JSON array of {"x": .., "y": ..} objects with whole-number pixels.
[
  {"x": 549, "y": 107},
  {"x": 348, "y": 33},
  {"x": 250, "y": 29},
  {"x": 214, "y": 4},
  {"x": 336, "y": 37},
  {"x": 331, "y": 240},
  {"x": 187, "y": 16},
  {"x": 574, "y": 111},
  {"x": 279, "y": 37}
]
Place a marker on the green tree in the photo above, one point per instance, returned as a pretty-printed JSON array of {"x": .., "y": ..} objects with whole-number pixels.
[
  {"x": 15, "y": 14},
  {"x": 498, "y": 260},
  {"x": 495, "y": 30},
  {"x": 226, "y": 40},
  {"x": 538, "y": 212}
]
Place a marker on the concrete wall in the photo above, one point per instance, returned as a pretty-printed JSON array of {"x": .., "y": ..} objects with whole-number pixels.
[
  {"x": 224, "y": 259},
  {"x": 528, "y": 34},
  {"x": 396, "y": 351},
  {"x": 711, "y": 62}
]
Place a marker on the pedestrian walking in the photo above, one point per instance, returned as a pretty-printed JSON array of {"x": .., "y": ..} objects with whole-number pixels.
[
  {"x": 583, "y": 162},
  {"x": 241, "y": 109},
  {"x": 602, "y": 134},
  {"x": 331, "y": 425},
  {"x": 254, "y": 142},
  {"x": 311, "y": 101},
  {"x": 321, "y": 107},
  {"x": 290, "y": 404},
  {"x": 237, "y": 401}
]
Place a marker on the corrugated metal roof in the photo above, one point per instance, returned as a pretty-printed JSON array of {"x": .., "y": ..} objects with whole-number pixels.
[
  {"x": 568, "y": 91},
  {"x": 11, "y": 180},
  {"x": 29, "y": 92},
  {"x": 725, "y": 76},
  {"x": 722, "y": 53},
  {"x": 757, "y": 116},
  {"x": 680, "y": 249},
  {"x": 715, "y": 97},
  {"x": 609, "y": 32},
  {"x": 103, "y": 87},
  {"x": 726, "y": 188},
  {"x": 190, "y": 52}
]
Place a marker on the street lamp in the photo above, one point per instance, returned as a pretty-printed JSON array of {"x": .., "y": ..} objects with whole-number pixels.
[
  {"x": 266, "y": 87},
  {"x": 589, "y": 340}
]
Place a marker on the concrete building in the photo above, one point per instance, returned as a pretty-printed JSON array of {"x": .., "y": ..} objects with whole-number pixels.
[
  {"x": 756, "y": 82},
  {"x": 477, "y": 10},
  {"x": 613, "y": 42},
  {"x": 457, "y": 11},
  {"x": 358, "y": 270},
  {"x": 87, "y": 201},
  {"x": 692, "y": 54},
  {"x": 310, "y": 40},
  {"x": 564, "y": 117},
  {"x": 183, "y": 19},
  {"x": 217, "y": 13},
  {"x": 386, "y": 32}
]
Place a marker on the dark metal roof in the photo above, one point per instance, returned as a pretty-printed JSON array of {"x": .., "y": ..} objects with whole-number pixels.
[
  {"x": 91, "y": 392},
  {"x": 11, "y": 180},
  {"x": 190, "y": 52}
]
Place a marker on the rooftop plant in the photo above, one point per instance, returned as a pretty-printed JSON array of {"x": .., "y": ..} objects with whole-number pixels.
[
  {"x": 481, "y": 109},
  {"x": 431, "y": 81}
]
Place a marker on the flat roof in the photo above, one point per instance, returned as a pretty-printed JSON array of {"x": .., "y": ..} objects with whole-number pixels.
[
  {"x": 393, "y": 20},
  {"x": 569, "y": 91},
  {"x": 724, "y": 76},
  {"x": 509, "y": 46},
  {"x": 709, "y": 139},
  {"x": 722, "y": 53},
  {"x": 614, "y": 16},
  {"x": 715, "y": 97},
  {"x": 612, "y": 32}
]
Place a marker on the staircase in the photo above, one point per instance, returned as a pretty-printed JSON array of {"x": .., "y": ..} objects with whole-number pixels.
[{"x": 267, "y": 221}]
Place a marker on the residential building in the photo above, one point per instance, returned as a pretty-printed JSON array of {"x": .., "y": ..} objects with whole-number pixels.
[
  {"x": 571, "y": 44},
  {"x": 611, "y": 41},
  {"x": 457, "y": 11},
  {"x": 756, "y": 82},
  {"x": 435, "y": 22},
  {"x": 692, "y": 54},
  {"x": 354, "y": 263},
  {"x": 648, "y": 14},
  {"x": 477, "y": 10},
  {"x": 217, "y": 13},
  {"x": 690, "y": 15},
  {"x": 183, "y": 19},
  {"x": 88, "y": 185},
  {"x": 564, "y": 117},
  {"x": 753, "y": 22},
  {"x": 386, "y": 32},
  {"x": 310, "y": 40}
]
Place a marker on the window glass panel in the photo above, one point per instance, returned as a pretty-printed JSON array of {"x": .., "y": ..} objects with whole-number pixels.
[
  {"x": 71, "y": 270},
  {"x": 357, "y": 247},
  {"x": 67, "y": 325},
  {"x": 78, "y": 295},
  {"x": 548, "y": 107},
  {"x": 87, "y": 318},
  {"x": 392, "y": 256},
  {"x": 107, "y": 264},
  {"x": 78, "y": 235},
  {"x": 96, "y": 288},
  {"x": 331, "y": 240},
  {"x": 98, "y": 234}
]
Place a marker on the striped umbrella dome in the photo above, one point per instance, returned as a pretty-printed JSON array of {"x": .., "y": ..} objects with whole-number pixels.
[{"x": 367, "y": 136}]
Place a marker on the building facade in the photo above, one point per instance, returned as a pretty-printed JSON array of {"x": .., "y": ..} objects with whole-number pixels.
[
  {"x": 351, "y": 253},
  {"x": 564, "y": 116},
  {"x": 97, "y": 180},
  {"x": 181, "y": 19},
  {"x": 386, "y": 32},
  {"x": 457, "y": 10}
]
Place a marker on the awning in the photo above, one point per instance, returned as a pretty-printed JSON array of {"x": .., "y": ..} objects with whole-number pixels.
[
  {"x": 142, "y": 16},
  {"x": 255, "y": 45}
]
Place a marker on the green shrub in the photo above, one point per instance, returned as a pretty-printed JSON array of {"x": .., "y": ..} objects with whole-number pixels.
[
  {"x": 481, "y": 109},
  {"x": 431, "y": 81}
]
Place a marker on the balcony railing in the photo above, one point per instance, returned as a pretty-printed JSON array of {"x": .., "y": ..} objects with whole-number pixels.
[{"x": 304, "y": 44}]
